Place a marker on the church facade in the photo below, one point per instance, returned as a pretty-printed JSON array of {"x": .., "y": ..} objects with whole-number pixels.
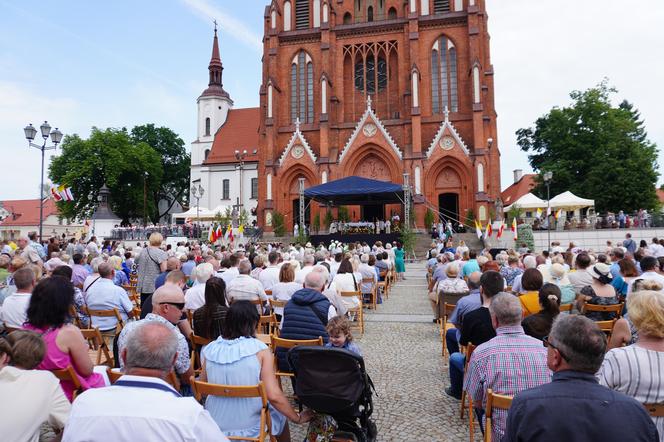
[{"x": 379, "y": 89}]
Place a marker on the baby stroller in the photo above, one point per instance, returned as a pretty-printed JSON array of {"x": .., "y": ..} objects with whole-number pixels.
[{"x": 334, "y": 382}]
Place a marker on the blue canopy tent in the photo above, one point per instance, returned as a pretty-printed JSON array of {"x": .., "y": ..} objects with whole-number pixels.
[{"x": 355, "y": 190}]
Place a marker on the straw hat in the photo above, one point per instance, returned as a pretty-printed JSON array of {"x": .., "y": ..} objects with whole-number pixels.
[
  {"x": 558, "y": 275},
  {"x": 600, "y": 270}
]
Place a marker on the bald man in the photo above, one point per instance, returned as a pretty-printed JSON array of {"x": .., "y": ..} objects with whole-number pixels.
[{"x": 167, "y": 308}]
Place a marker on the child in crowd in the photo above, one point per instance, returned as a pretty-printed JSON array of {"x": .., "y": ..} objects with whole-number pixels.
[{"x": 338, "y": 328}]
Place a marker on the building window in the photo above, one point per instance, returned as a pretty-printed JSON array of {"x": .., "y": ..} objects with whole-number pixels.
[
  {"x": 226, "y": 190},
  {"x": 302, "y": 88},
  {"x": 441, "y": 6},
  {"x": 254, "y": 188},
  {"x": 370, "y": 72},
  {"x": 207, "y": 154},
  {"x": 444, "y": 76},
  {"x": 347, "y": 18},
  {"x": 207, "y": 127},
  {"x": 370, "y": 13},
  {"x": 301, "y": 14},
  {"x": 392, "y": 14}
]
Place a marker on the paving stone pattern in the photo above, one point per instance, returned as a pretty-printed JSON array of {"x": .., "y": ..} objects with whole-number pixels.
[{"x": 402, "y": 352}]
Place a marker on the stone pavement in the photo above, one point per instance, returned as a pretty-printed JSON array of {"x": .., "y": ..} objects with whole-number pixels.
[{"x": 402, "y": 352}]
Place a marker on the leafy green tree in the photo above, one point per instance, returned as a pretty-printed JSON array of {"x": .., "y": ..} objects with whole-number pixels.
[
  {"x": 596, "y": 150},
  {"x": 175, "y": 163},
  {"x": 342, "y": 213},
  {"x": 108, "y": 157},
  {"x": 329, "y": 218},
  {"x": 429, "y": 218},
  {"x": 514, "y": 212},
  {"x": 278, "y": 224},
  {"x": 315, "y": 225}
]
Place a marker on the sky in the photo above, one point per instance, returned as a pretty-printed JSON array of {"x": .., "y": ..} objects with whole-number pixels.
[{"x": 80, "y": 64}]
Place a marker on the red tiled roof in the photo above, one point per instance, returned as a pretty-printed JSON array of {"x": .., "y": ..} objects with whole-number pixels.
[
  {"x": 26, "y": 212},
  {"x": 518, "y": 189},
  {"x": 239, "y": 132}
]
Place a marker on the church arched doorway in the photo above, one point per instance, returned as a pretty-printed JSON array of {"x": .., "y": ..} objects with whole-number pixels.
[{"x": 448, "y": 206}]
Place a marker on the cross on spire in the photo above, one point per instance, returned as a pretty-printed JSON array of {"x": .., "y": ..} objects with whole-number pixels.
[{"x": 215, "y": 25}]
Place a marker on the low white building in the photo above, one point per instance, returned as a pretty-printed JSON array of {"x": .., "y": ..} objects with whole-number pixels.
[
  {"x": 22, "y": 217},
  {"x": 224, "y": 156}
]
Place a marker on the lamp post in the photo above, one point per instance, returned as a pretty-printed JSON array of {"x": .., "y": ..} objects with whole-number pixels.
[
  {"x": 197, "y": 192},
  {"x": 240, "y": 156},
  {"x": 56, "y": 137},
  {"x": 548, "y": 176}
]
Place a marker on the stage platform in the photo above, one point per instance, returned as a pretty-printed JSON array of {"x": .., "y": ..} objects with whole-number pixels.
[{"x": 369, "y": 238}]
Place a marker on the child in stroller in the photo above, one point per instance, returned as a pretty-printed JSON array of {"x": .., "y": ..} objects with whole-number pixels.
[{"x": 334, "y": 382}]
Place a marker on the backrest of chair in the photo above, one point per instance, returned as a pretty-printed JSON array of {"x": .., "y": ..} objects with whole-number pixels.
[
  {"x": 470, "y": 348},
  {"x": 201, "y": 389},
  {"x": 290, "y": 343},
  {"x": 92, "y": 334},
  {"x": 494, "y": 400},
  {"x": 655, "y": 410},
  {"x": 449, "y": 308},
  {"x": 606, "y": 326},
  {"x": 113, "y": 375},
  {"x": 114, "y": 312},
  {"x": 277, "y": 303},
  {"x": 199, "y": 340},
  {"x": 613, "y": 308},
  {"x": 565, "y": 307},
  {"x": 267, "y": 323},
  {"x": 74, "y": 316},
  {"x": 68, "y": 374}
]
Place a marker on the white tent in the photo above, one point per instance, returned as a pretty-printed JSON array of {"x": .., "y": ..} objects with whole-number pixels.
[
  {"x": 569, "y": 201},
  {"x": 193, "y": 213},
  {"x": 527, "y": 201}
]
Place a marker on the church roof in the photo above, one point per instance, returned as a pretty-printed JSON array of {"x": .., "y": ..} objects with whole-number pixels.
[
  {"x": 239, "y": 132},
  {"x": 26, "y": 212}
]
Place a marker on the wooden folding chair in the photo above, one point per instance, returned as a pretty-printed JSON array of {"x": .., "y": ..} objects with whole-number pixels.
[
  {"x": 114, "y": 312},
  {"x": 443, "y": 325},
  {"x": 201, "y": 389},
  {"x": 287, "y": 344},
  {"x": 190, "y": 318},
  {"x": 359, "y": 310},
  {"x": 197, "y": 342},
  {"x": 113, "y": 375},
  {"x": 96, "y": 342},
  {"x": 655, "y": 410},
  {"x": 469, "y": 352},
  {"x": 615, "y": 308},
  {"x": 566, "y": 307},
  {"x": 171, "y": 379},
  {"x": 274, "y": 303},
  {"x": 384, "y": 285},
  {"x": 267, "y": 324},
  {"x": 69, "y": 374},
  {"x": 494, "y": 401},
  {"x": 373, "y": 295},
  {"x": 607, "y": 327},
  {"x": 74, "y": 316}
]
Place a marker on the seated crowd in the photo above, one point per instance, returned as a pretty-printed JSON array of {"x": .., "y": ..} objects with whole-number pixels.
[
  {"x": 55, "y": 314},
  {"x": 575, "y": 338}
]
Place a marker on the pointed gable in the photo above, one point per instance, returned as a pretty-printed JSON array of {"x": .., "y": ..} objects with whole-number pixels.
[
  {"x": 297, "y": 139},
  {"x": 369, "y": 118},
  {"x": 447, "y": 129}
]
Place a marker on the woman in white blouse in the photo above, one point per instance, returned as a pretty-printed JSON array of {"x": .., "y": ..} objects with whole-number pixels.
[
  {"x": 345, "y": 281},
  {"x": 284, "y": 289}
]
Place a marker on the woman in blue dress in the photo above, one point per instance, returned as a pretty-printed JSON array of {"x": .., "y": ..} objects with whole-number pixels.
[
  {"x": 238, "y": 358},
  {"x": 399, "y": 264}
]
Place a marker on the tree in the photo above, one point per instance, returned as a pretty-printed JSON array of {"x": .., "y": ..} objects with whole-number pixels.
[
  {"x": 278, "y": 224},
  {"x": 175, "y": 162},
  {"x": 429, "y": 218},
  {"x": 514, "y": 213},
  {"x": 108, "y": 157},
  {"x": 596, "y": 150}
]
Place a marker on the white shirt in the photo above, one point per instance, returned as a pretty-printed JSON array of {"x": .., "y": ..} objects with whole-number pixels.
[
  {"x": 30, "y": 397},
  {"x": 14, "y": 309},
  {"x": 283, "y": 291},
  {"x": 302, "y": 273},
  {"x": 245, "y": 288},
  {"x": 194, "y": 298},
  {"x": 124, "y": 413},
  {"x": 656, "y": 250},
  {"x": 104, "y": 295},
  {"x": 653, "y": 276},
  {"x": 230, "y": 275},
  {"x": 268, "y": 277}
]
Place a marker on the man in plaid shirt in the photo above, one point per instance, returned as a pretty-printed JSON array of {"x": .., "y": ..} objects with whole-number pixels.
[{"x": 509, "y": 363}]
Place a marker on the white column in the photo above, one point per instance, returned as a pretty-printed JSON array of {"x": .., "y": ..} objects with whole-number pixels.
[
  {"x": 287, "y": 16},
  {"x": 316, "y": 13},
  {"x": 476, "y": 85},
  {"x": 415, "y": 88},
  {"x": 424, "y": 7},
  {"x": 323, "y": 96},
  {"x": 269, "y": 100},
  {"x": 324, "y": 177},
  {"x": 418, "y": 187},
  {"x": 268, "y": 195}
]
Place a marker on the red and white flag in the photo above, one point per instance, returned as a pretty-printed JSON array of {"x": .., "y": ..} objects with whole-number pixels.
[{"x": 514, "y": 229}]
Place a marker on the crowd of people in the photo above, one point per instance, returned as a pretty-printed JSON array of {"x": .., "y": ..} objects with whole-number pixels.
[
  {"x": 161, "y": 295},
  {"x": 575, "y": 336}
]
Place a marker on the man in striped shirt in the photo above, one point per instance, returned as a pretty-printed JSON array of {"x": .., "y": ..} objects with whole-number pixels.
[{"x": 507, "y": 364}]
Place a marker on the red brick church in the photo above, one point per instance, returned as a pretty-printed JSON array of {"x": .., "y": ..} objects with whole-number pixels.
[{"x": 378, "y": 89}]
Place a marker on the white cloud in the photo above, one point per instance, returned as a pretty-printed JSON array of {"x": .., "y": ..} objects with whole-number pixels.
[{"x": 234, "y": 27}]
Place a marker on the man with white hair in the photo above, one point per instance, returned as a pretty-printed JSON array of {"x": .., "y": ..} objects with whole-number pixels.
[
  {"x": 244, "y": 287},
  {"x": 508, "y": 364},
  {"x": 308, "y": 261},
  {"x": 141, "y": 404},
  {"x": 28, "y": 253},
  {"x": 195, "y": 296},
  {"x": 270, "y": 275},
  {"x": 330, "y": 290},
  {"x": 529, "y": 262}
]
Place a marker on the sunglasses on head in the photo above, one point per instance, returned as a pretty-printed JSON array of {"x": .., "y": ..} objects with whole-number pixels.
[
  {"x": 178, "y": 305},
  {"x": 548, "y": 343}
]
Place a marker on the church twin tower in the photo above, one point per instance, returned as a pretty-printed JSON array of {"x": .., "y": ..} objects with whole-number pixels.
[{"x": 373, "y": 88}]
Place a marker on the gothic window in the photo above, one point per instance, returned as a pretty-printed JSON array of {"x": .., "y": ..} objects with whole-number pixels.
[
  {"x": 207, "y": 127},
  {"x": 254, "y": 188},
  {"x": 370, "y": 71},
  {"x": 441, "y": 6},
  {"x": 226, "y": 189},
  {"x": 370, "y": 13},
  {"x": 302, "y": 88},
  {"x": 392, "y": 14},
  {"x": 301, "y": 14},
  {"x": 444, "y": 76},
  {"x": 206, "y": 154},
  {"x": 347, "y": 18}
]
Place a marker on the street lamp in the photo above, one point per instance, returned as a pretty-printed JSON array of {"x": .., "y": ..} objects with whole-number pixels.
[
  {"x": 240, "y": 156},
  {"x": 197, "y": 192},
  {"x": 548, "y": 176},
  {"x": 56, "y": 137}
]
